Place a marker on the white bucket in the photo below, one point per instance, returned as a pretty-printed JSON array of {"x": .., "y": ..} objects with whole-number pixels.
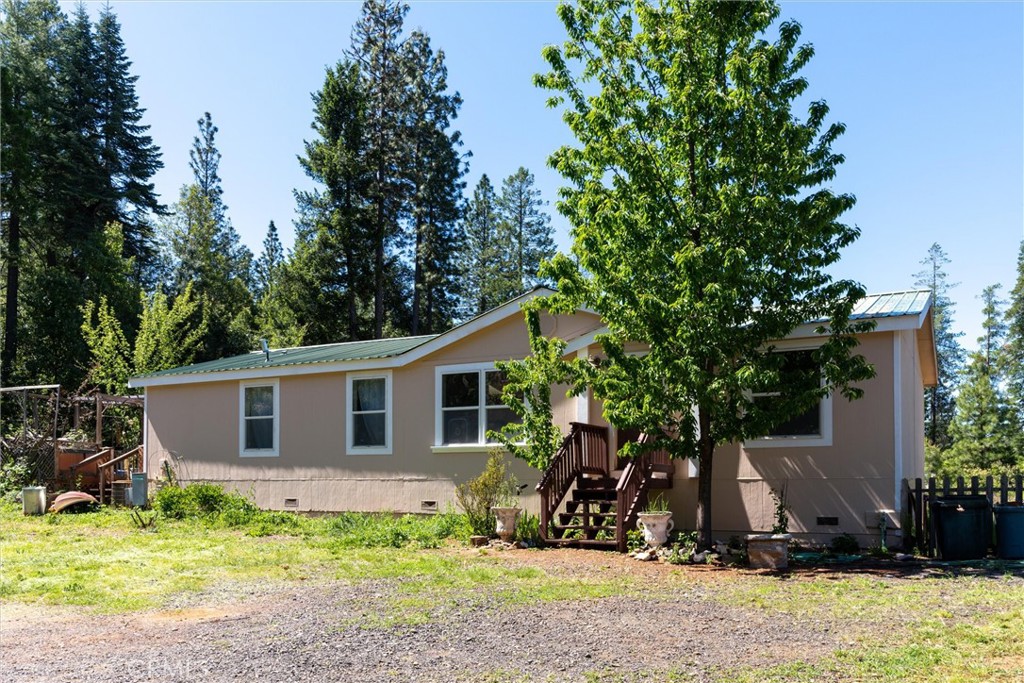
[{"x": 33, "y": 500}]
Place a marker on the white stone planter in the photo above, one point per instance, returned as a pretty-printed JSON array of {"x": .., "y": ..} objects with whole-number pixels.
[
  {"x": 656, "y": 526},
  {"x": 768, "y": 551},
  {"x": 506, "y": 522}
]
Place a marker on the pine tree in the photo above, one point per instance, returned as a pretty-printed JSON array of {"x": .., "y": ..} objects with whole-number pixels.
[
  {"x": 330, "y": 281},
  {"x": 377, "y": 50},
  {"x": 484, "y": 279},
  {"x": 1013, "y": 357},
  {"x": 524, "y": 232},
  {"x": 981, "y": 426},
  {"x": 435, "y": 175},
  {"x": 276, "y": 320},
  {"x": 129, "y": 157},
  {"x": 269, "y": 262},
  {"x": 29, "y": 142},
  {"x": 939, "y": 401}
]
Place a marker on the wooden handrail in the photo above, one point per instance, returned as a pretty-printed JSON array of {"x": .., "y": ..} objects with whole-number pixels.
[
  {"x": 92, "y": 458},
  {"x": 584, "y": 450},
  {"x": 127, "y": 454},
  {"x": 633, "y": 487}
]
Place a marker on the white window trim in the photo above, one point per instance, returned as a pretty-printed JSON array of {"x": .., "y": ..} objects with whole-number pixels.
[
  {"x": 482, "y": 444},
  {"x": 259, "y": 452},
  {"x": 350, "y": 432},
  {"x": 825, "y": 407}
]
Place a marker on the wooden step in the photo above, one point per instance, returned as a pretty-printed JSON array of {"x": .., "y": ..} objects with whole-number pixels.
[
  {"x": 603, "y": 517},
  {"x": 609, "y": 544},
  {"x": 597, "y": 483}
]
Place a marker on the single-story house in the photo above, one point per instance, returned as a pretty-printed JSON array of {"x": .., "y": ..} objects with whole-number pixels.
[{"x": 395, "y": 424}]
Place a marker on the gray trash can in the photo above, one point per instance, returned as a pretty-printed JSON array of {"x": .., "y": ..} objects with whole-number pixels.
[{"x": 139, "y": 489}]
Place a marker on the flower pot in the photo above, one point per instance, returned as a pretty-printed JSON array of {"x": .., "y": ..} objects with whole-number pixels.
[
  {"x": 655, "y": 526},
  {"x": 478, "y": 541},
  {"x": 506, "y": 518},
  {"x": 768, "y": 551}
]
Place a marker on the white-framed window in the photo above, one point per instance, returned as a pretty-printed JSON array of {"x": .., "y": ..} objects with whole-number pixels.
[
  {"x": 368, "y": 413},
  {"x": 813, "y": 426},
  {"x": 468, "y": 404},
  {"x": 259, "y": 418}
]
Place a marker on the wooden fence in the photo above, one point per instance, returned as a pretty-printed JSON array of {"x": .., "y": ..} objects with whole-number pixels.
[{"x": 919, "y": 494}]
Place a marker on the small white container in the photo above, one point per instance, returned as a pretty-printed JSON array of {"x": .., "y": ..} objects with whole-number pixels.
[{"x": 33, "y": 500}]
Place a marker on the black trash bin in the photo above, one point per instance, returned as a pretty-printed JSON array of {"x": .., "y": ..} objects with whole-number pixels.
[
  {"x": 962, "y": 526},
  {"x": 1009, "y": 531}
]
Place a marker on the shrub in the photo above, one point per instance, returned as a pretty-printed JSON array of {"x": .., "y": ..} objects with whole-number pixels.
[
  {"x": 494, "y": 487},
  {"x": 528, "y": 530},
  {"x": 383, "y": 530},
  {"x": 204, "y": 500},
  {"x": 14, "y": 476},
  {"x": 845, "y": 544}
]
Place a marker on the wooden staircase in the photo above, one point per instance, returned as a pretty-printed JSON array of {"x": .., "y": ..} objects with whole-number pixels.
[{"x": 582, "y": 505}]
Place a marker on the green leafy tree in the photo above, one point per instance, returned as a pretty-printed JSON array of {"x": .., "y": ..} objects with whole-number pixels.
[
  {"x": 524, "y": 232},
  {"x": 536, "y": 438},
  {"x": 981, "y": 427},
  {"x": 171, "y": 334},
  {"x": 108, "y": 347},
  {"x": 940, "y": 401},
  {"x": 702, "y": 223}
]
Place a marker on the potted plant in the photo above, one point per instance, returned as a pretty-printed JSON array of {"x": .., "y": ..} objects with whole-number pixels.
[
  {"x": 507, "y": 510},
  {"x": 489, "y": 500},
  {"x": 656, "y": 521},
  {"x": 771, "y": 550}
]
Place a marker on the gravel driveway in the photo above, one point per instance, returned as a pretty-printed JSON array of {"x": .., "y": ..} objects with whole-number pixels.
[{"x": 319, "y": 631}]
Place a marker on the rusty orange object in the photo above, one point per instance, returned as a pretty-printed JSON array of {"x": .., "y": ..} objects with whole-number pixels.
[{"x": 66, "y": 500}]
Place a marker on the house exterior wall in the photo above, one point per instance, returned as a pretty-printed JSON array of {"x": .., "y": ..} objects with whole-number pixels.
[
  {"x": 195, "y": 428},
  {"x": 875, "y": 442}
]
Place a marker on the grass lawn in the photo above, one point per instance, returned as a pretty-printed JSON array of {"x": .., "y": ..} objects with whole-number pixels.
[{"x": 933, "y": 625}]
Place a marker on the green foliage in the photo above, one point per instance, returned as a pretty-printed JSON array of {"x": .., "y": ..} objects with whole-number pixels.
[
  {"x": 495, "y": 487},
  {"x": 383, "y": 530},
  {"x": 111, "y": 355},
  {"x": 782, "y": 509},
  {"x": 203, "y": 500},
  {"x": 845, "y": 544},
  {"x": 14, "y": 476},
  {"x": 528, "y": 530},
  {"x": 536, "y": 438},
  {"x": 702, "y": 220},
  {"x": 658, "y": 504},
  {"x": 684, "y": 547},
  {"x": 1012, "y": 360},
  {"x": 635, "y": 541},
  {"x": 170, "y": 334}
]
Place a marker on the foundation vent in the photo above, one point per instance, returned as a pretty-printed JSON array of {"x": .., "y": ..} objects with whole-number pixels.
[
  {"x": 428, "y": 505},
  {"x": 291, "y": 502},
  {"x": 828, "y": 521}
]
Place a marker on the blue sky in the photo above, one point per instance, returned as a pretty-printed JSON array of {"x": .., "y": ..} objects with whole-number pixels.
[{"x": 932, "y": 94}]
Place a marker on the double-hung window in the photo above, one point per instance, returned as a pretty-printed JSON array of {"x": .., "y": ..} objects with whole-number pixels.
[
  {"x": 259, "y": 419},
  {"x": 368, "y": 425},
  {"x": 469, "y": 404},
  {"x": 810, "y": 427}
]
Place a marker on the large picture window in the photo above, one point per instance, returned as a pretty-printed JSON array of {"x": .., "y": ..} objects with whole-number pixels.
[
  {"x": 812, "y": 426},
  {"x": 469, "y": 405},
  {"x": 368, "y": 424},
  {"x": 259, "y": 411}
]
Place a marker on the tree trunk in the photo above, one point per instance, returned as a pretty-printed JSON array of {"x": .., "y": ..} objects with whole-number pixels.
[
  {"x": 10, "y": 349},
  {"x": 378, "y": 272},
  {"x": 417, "y": 279},
  {"x": 706, "y": 450}
]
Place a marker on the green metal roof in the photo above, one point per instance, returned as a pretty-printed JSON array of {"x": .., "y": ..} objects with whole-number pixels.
[
  {"x": 891, "y": 304},
  {"x": 303, "y": 355}
]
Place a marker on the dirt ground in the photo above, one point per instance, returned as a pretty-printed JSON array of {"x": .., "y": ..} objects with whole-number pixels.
[{"x": 322, "y": 631}]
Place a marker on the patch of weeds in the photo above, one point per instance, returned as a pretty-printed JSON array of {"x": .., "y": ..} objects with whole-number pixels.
[{"x": 382, "y": 530}]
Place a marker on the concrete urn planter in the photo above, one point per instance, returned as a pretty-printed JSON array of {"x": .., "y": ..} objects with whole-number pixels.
[
  {"x": 506, "y": 522},
  {"x": 656, "y": 527},
  {"x": 768, "y": 551}
]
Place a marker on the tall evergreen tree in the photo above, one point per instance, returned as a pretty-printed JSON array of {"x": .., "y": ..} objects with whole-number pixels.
[
  {"x": 484, "y": 281},
  {"x": 129, "y": 157},
  {"x": 524, "y": 232},
  {"x": 1013, "y": 357},
  {"x": 939, "y": 401},
  {"x": 270, "y": 261},
  {"x": 330, "y": 279},
  {"x": 29, "y": 142},
  {"x": 981, "y": 427},
  {"x": 377, "y": 50},
  {"x": 435, "y": 174}
]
